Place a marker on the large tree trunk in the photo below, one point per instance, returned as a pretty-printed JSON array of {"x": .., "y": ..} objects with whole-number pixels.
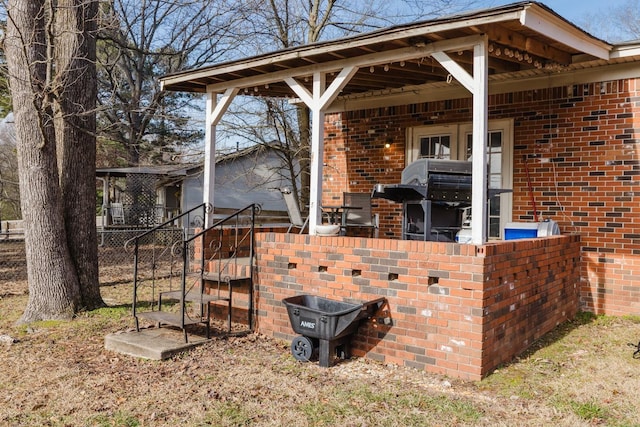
[
  {"x": 75, "y": 52},
  {"x": 54, "y": 291}
]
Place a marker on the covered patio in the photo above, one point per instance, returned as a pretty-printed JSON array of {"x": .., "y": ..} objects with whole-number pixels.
[{"x": 505, "y": 74}]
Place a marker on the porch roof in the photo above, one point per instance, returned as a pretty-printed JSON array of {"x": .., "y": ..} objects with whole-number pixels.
[
  {"x": 160, "y": 170},
  {"x": 525, "y": 39}
]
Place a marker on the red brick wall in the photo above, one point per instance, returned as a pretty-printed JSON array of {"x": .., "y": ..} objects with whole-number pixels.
[
  {"x": 531, "y": 287},
  {"x": 581, "y": 144},
  {"x": 458, "y": 310}
]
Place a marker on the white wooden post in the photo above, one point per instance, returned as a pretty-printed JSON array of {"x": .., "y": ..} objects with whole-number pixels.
[
  {"x": 478, "y": 86},
  {"x": 479, "y": 217},
  {"x": 317, "y": 155},
  {"x": 214, "y": 112},
  {"x": 209, "y": 178}
]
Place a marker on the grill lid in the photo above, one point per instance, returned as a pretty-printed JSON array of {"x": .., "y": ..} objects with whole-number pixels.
[
  {"x": 418, "y": 172},
  {"x": 432, "y": 179}
]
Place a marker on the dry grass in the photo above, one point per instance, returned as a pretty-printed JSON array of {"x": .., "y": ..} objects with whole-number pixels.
[{"x": 59, "y": 374}]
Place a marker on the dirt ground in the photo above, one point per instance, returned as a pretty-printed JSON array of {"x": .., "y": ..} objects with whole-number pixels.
[{"x": 59, "y": 374}]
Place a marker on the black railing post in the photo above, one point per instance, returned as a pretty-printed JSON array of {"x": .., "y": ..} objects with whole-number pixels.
[
  {"x": 251, "y": 249},
  {"x": 202, "y": 272},
  {"x": 135, "y": 284},
  {"x": 183, "y": 286}
]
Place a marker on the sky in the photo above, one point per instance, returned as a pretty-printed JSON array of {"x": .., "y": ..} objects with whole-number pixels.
[
  {"x": 592, "y": 16},
  {"x": 573, "y": 10}
]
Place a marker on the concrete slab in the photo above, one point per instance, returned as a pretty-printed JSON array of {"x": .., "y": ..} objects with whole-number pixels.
[{"x": 153, "y": 343}]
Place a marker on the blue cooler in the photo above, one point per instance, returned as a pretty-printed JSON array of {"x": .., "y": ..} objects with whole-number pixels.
[
  {"x": 520, "y": 230},
  {"x": 529, "y": 230}
]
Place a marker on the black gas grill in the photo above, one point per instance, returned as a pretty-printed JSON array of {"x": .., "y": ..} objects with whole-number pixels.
[{"x": 433, "y": 194}]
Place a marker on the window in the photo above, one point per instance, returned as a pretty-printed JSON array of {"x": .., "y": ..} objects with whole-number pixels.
[
  {"x": 435, "y": 147},
  {"x": 433, "y": 142},
  {"x": 455, "y": 142}
]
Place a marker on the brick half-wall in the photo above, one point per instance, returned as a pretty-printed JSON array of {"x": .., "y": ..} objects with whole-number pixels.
[{"x": 458, "y": 310}]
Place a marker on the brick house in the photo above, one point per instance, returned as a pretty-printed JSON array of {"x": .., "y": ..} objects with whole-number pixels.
[{"x": 558, "y": 111}]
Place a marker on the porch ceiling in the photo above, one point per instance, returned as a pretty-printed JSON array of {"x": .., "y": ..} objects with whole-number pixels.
[{"x": 524, "y": 38}]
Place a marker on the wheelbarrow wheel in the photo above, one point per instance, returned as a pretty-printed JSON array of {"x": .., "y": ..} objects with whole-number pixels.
[{"x": 302, "y": 348}]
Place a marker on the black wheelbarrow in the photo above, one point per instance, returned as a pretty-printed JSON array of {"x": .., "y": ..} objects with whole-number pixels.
[{"x": 325, "y": 326}]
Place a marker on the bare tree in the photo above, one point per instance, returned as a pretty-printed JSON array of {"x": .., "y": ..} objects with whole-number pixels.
[
  {"x": 50, "y": 48},
  {"x": 142, "y": 40},
  {"x": 283, "y": 24},
  {"x": 75, "y": 57},
  {"x": 9, "y": 191},
  {"x": 629, "y": 17},
  {"x": 616, "y": 22}
]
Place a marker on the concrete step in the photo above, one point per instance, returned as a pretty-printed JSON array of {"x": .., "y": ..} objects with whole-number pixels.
[{"x": 153, "y": 343}]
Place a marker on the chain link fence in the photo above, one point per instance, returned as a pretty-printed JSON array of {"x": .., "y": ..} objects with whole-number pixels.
[
  {"x": 116, "y": 262},
  {"x": 13, "y": 267},
  {"x": 160, "y": 257}
]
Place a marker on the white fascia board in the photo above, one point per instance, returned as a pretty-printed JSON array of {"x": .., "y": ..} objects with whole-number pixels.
[
  {"x": 563, "y": 32},
  {"x": 605, "y": 73},
  {"x": 372, "y": 59}
]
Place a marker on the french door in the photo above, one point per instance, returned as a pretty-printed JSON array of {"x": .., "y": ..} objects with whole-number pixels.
[{"x": 454, "y": 142}]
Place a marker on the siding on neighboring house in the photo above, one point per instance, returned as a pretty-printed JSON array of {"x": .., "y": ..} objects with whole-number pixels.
[
  {"x": 582, "y": 147},
  {"x": 253, "y": 175},
  {"x": 254, "y": 178}
]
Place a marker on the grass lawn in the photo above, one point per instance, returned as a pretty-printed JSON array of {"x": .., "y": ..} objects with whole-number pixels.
[{"x": 59, "y": 374}]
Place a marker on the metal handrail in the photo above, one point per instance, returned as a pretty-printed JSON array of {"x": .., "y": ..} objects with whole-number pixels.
[
  {"x": 222, "y": 225},
  {"x": 205, "y": 207},
  {"x": 241, "y": 219}
]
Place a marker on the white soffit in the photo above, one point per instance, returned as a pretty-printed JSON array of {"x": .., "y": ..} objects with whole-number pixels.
[
  {"x": 498, "y": 84},
  {"x": 563, "y": 32}
]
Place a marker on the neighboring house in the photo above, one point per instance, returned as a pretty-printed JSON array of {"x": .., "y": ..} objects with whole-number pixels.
[
  {"x": 148, "y": 194},
  {"x": 250, "y": 175}
]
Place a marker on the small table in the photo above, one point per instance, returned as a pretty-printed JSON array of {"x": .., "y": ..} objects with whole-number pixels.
[{"x": 339, "y": 212}]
